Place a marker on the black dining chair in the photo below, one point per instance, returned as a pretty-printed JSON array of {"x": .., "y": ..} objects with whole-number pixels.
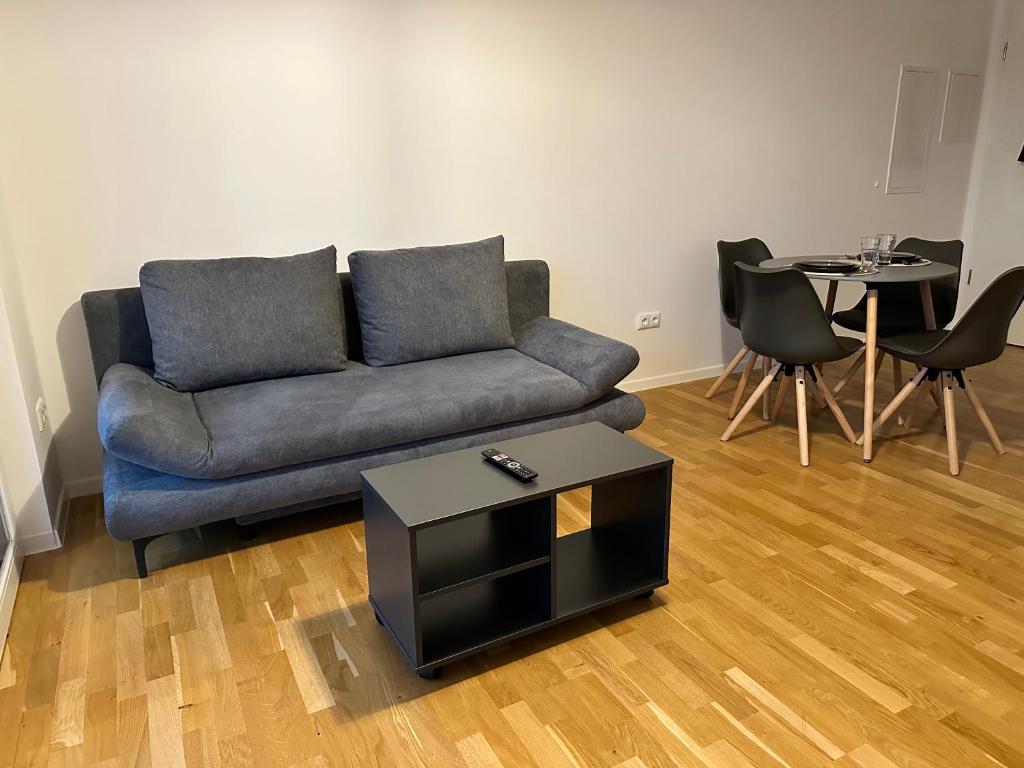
[
  {"x": 946, "y": 356},
  {"x": 781, "y": 318},
  {"x": 900, "y": 308},
  {"x": 751, "y": 251}
]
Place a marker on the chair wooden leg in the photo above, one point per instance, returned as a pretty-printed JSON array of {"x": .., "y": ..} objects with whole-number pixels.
[
  {"x": 986, "y": 422},
  {"x": 780, "y": 396},
  {"x": 933, "y": 391},
  {"x": 751, "y": 402},
  {"x": 879, "y": 359},
  {"x": 915, "y": 404},
  {"x": 766, "y": 399},
  {"x": 801, "y": 416},
  {"x": 812, "y": 388},
  {"x": 897, "y": 401},
  {"x": 833, "y": 406},
  {"x": 725, "y": 374},
  {"x": 897, "y": 383},
  {"x": 950, "y": 414},
  {"x": 850, "y": 372},
  {"x": 741, "y": 388}
]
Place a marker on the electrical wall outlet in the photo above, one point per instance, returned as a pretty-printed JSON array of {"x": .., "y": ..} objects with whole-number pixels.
[
  {"x": 647, "y": 320},
  {"x": 42, "y": 417}
]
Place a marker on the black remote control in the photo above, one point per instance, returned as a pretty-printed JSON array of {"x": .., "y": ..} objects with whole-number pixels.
[{"x": 507, "y": 464}]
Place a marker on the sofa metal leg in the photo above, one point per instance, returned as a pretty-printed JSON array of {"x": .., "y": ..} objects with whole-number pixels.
[
  {"x": 139, "y": 547},
  {"x": 247, "y": 532}
]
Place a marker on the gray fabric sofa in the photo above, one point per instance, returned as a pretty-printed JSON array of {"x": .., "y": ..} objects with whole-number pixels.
[{"x": 253, "y": 451}]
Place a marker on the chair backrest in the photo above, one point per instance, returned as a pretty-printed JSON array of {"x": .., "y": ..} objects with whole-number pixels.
[
  {"x": 781, "y": 316},
  {"x": 980, "y": 336},
  {"x": 751, "y": 251},
  {"x": 946, "y": 290}
]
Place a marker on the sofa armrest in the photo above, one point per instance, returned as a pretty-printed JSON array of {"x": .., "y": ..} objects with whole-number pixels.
[
  {"x": 596, "y": 362},
  {"x": 143, "y": 422}
]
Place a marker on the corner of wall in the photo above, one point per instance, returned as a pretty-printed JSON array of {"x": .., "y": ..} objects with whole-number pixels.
[{"x": 29, "y": 475}]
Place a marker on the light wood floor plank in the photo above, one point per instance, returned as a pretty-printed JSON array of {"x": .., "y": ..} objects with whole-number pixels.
[
  {"x": 69, "y": 714},
  {"x": 764, "y": 697},
  {"x": 852, "y": 674},
  {"x": 166, "y": 748}
]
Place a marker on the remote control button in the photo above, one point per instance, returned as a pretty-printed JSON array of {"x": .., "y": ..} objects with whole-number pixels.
[{"x": 513, "y": 464}]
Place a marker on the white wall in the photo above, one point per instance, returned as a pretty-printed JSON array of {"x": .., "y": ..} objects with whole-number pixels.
[
  {"x": 30, "y": 479},
  {"x": 617, "y": 140},
  {"x": 995, "y": 216}
]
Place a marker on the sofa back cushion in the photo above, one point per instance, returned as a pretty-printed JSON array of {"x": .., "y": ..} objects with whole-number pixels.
[
  {"x": 115, "y": 318},
  {"x": 421, "y": 303},
  {"x": 225, "y": 321}
]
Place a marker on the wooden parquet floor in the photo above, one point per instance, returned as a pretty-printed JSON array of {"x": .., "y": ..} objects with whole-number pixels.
[{"x": 844, "y": 614}]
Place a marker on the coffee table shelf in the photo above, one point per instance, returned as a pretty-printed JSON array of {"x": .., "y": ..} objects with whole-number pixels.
[
  {"x": 461, "y": 557},
  {"x": 595, "y": 570}
]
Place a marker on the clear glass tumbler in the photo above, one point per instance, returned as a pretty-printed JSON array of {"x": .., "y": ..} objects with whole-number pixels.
[
  {"x": 868, "y": 251},
  {"x": 886, "y": 245}
]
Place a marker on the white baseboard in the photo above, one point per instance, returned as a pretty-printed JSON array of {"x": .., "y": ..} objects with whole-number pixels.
[
  {"x": 667, "y": 379},
  {"x": 85, "y": 486},
  {"x": 35, "y": 543},
  {"x": 60, "y": 525},
  {"x": 42, "y": 542}
]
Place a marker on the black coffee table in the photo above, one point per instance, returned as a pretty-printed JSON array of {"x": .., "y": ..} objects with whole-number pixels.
[{"x": 461, "y": 556}]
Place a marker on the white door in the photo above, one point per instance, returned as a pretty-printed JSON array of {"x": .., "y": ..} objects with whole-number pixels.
[{"x": 997, "y": 226}]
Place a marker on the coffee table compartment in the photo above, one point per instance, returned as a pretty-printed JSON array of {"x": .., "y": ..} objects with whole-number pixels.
[
  {"x": 486, "y": 545},
  {"x": 624, "y": 552},
  {"x": 459, "y": 621}
]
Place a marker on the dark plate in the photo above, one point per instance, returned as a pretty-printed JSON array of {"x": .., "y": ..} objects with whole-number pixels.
[
  {"x": 906, "y": 258},
  {"x": 828, "y": 267}
]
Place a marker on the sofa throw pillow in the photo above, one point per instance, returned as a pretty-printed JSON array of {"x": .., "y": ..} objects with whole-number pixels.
[
  {"x": 224, "y": 321},
  {"x": 422, "y": 303}
]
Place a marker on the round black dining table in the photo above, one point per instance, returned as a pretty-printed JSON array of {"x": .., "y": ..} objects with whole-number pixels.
[{"x": 921, "y": 274}]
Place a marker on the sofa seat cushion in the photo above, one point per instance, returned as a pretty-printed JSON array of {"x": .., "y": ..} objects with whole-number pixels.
[
  {"x": 140, "y": 502},
  {"x": 269, "y": 424}
]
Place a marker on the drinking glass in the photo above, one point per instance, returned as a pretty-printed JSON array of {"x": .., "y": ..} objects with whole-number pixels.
[
  {"x": 886, "y": 244},
  {"x": 868, "y": 251}
]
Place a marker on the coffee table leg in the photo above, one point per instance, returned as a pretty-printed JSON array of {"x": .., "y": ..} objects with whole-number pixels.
[
  {"x": 870, "y": 340},
  {"x": 430, "y": 674}
]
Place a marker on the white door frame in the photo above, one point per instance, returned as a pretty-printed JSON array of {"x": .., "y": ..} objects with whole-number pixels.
[{"x": 10, "y": 571}]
